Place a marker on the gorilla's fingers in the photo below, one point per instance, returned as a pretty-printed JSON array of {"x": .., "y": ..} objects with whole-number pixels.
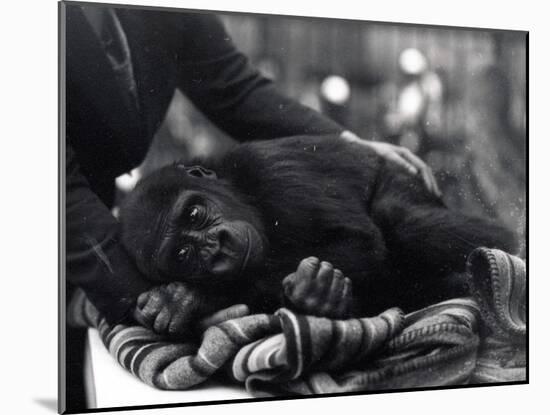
[
  {"x": 236, "y": 311},
  {"x": 179, "y": 324},
  {"x": 336, "y": 290},
  {"x": 324, "y": 279},
  {"x": 345, "y": 302},
  {"x": 338, "y": 274},
  {"x": 178, "y": 290},
  {"x": 144, "y": 320},
  {"x": 154, "y": 304},
  {"x": 307, "y": 269},
  {"x": 305, "y": 274},
  {"x": 162, "y": 321},
  {"x": 142, "y": 299},
  {"x": 289, "y": 283}
]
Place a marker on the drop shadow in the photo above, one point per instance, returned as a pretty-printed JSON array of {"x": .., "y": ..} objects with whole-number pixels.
[{"x": 48, "y": 403}]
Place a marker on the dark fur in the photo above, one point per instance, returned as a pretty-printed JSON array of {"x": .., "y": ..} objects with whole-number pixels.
[{"x": 323, "y": 197}]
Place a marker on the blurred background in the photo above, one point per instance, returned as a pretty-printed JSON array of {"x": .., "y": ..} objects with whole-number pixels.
[{"x": 455, "y": 97}]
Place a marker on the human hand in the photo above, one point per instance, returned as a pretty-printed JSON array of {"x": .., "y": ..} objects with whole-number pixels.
[
  {"x": 317, "y": 288},
  {"x": 401, "y": 157}
]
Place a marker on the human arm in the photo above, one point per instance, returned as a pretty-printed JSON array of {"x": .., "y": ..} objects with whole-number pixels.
[
  {"x": 221, "y": 82},
  {"x": 95, "y": 259}
]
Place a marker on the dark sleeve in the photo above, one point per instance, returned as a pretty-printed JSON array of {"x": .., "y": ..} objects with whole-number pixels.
[
  {"x": 96, "y": 261},
  {"x": 223, "y": 85}
]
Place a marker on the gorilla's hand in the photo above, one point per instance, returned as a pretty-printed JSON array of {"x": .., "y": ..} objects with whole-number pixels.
[
  {"x": 168, "y": 309},
  {"x": 317, "y": 288}
]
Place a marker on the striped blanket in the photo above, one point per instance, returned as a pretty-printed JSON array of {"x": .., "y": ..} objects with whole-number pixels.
[{"x": 454, "y": 342}]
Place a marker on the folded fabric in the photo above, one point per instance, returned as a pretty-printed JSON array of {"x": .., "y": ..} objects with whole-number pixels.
[
  {"x": 286, "y": 353},
  {"x": 291, "y": 354},
  {"x": 498, "y": 282},
  {"x": 433, "y": 347}
]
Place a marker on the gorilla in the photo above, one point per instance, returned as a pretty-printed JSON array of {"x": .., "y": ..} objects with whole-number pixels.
[{"x": 313, "y": 223}]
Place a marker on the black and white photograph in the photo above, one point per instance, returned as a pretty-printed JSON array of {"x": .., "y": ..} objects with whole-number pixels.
[{"x": 259, "y": 207}]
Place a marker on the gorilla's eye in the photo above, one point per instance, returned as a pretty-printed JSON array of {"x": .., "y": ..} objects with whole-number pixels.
[
  {"x": 183, "y": 253},
  {"x": 195, "y": 214}
]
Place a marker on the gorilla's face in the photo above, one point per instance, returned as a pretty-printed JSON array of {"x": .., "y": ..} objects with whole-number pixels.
[
  {"x": 198, "y": 229},
  {"x": 205, "y": 236}
]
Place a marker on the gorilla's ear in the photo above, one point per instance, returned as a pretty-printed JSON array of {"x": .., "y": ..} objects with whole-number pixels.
[{"x": 199, "y": 171}]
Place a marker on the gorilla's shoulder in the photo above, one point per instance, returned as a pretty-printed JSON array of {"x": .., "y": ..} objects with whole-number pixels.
[
  {"x": 318, "y": 150},
  {"x": 300, "y": 143}
]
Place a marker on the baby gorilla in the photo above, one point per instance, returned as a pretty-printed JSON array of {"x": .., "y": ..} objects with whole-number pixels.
[{"x": 237, "y": 235}]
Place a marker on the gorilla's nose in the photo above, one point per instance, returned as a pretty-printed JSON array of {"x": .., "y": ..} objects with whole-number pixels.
[
  {"x": 209, "y": 251},
  {"x": 219, "y": 254}
]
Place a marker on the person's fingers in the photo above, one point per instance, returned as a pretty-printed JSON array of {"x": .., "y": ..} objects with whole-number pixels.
[
  {"x": 235, "y": 311},
  {"x": 427, "y": 180},
  {"x": 436, "y": 188},
  {"x": 425, "y": 171},
  {"x": 162, "y": 320},
  {"x": 397, "y": 159},
  {"x": 421, "y": 167}
]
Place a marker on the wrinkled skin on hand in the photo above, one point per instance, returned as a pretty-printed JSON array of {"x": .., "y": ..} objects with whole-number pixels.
[
  {"x": 176, "y": 309},
  {"x": 168, "y": 309},
  {"x": 317, "y": 288}
]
